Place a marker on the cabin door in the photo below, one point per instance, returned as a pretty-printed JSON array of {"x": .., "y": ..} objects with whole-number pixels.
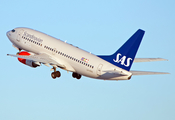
[{"x": 99, "y": 69}]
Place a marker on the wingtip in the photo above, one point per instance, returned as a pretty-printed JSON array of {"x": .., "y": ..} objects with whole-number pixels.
[
  {"x": 164, "y": 59},
  {"x": 167, "y": 73}
]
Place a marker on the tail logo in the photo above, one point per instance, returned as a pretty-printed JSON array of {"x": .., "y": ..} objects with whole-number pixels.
[{"x": 122, "y": 60}]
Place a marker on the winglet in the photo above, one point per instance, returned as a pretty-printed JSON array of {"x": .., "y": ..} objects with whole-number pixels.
[{"x": 125, "y": 55}]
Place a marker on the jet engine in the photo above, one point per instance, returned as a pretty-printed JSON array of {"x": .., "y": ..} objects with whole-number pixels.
[{"x": 30, "y": 63}]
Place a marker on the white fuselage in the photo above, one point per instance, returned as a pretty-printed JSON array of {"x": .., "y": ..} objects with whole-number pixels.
[{"x": 75, "y": 59}]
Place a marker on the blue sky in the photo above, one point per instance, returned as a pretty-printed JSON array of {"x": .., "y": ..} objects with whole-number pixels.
[{"x": 100, "y": 27}]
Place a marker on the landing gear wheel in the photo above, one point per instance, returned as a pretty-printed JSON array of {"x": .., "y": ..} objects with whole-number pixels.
[
  {"x": 55, "y": 74},
  {"x": 58, "y": 74},
  {"x": 76, "y": 75}
]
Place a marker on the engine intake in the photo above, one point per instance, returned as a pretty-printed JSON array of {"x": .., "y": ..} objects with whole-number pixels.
[{"x": 30, "y": 63}]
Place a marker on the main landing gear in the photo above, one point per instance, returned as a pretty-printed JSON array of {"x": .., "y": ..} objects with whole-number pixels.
[
  {"x": 19, "y": 51},
  {"x": 76, "y": 75},
  {"x": 55, "y": 73}
]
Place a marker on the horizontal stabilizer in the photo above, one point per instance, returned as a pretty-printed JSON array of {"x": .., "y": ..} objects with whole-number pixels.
[
  {"x": 146, "y": 73},
  {"x": 149, "y": 59}
]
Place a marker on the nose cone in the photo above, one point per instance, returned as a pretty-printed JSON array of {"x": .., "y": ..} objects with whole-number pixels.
[{"x": 8, "y": 34}]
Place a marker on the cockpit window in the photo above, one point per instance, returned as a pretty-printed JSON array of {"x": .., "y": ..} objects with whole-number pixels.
[{"x": 13, "y": 30}]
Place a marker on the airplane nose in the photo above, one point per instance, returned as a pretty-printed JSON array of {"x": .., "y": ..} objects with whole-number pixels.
[{"x": 8, "y": 34}]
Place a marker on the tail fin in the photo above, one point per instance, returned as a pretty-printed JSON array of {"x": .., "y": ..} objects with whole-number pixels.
[{"x": 125, "y": 55}]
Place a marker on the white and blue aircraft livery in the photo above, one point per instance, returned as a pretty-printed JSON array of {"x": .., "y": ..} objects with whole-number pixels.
[{"x": 39, "y": 48}]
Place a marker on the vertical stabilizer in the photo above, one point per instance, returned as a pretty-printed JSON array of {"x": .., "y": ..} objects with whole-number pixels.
[{"x": 125, "y": 55}]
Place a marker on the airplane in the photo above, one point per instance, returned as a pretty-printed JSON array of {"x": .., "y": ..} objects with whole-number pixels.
[{"x": 36, "y": 48}]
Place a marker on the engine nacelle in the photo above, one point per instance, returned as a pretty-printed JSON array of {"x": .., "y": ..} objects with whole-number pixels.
[{"x": 27, "y": 62}]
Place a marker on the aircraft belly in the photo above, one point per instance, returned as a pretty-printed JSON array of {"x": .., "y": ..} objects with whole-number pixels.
[
  {"x": 85, "y": 71},
  {"x": 113, "y": 77}
]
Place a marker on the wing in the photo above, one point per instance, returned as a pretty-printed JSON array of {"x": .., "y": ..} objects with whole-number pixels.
[
  {"x": 43, "y": 58},
  {"x": 149, "y": 59},
  {"x": 146, "y": 73}
]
